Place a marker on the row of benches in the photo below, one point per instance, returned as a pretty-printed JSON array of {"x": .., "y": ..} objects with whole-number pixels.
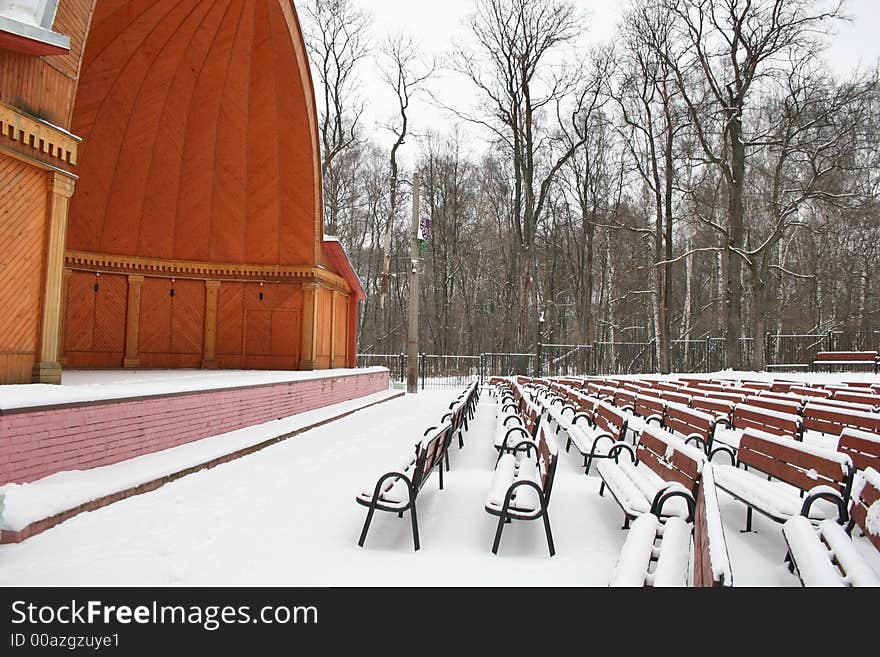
[
  {"x": 812, "y": 483},
  {"x": 398, "y": 490},
  {"x": 718, "y": 424},
  {"x": 522, "y": 481}
]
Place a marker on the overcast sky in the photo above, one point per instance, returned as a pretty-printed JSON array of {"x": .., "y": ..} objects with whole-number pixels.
[{"x": 436, "y": 25}]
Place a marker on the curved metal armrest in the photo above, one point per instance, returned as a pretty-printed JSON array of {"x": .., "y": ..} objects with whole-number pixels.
[
  {"x": 586, "y": 417},
  {"x": 510, "y": 432},
  {"x": 703, "y": 444},
  {"x": 727, "y": 449},
  {"x": 673, "y": 489},
  {"x": 517, "y": 484},
  {"x": 829, "y": 494},
  {"x": 515, "y": 417},
  {"x": 395, "y": 475},
  {"x": 619, "y": 446}
]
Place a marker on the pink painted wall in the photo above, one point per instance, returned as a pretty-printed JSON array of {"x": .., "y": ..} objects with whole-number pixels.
[{"x": 34, "y": 444}]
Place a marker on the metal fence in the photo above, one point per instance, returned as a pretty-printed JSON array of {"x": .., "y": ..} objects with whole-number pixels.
[{"x": 613, "y": 358}]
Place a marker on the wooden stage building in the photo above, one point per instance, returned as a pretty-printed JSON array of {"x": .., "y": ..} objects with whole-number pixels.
[{"x": 160, "y": 192}]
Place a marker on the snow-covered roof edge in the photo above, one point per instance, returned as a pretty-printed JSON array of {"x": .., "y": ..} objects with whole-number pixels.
[{"x": 333, "y": 248}]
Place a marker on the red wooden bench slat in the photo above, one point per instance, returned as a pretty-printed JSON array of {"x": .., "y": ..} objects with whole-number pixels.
[
  {"x": 864, "y": 453},
  {"x": 649, "y": 443},
  {"x": 789, "y": 464}
]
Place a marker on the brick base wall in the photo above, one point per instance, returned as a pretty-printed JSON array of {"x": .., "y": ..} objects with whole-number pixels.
[{"x": 40, "y": 442}]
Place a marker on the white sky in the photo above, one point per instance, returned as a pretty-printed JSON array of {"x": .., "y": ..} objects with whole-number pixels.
[{"x": 437, "y": 25}]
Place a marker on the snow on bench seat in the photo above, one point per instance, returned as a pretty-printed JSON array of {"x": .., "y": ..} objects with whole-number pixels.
[
  {"x": 823, "y": 474},
  {"x": 662, "y": 477},
  {"x": 775, "y": 498},
  {"x": 522, "y": 484},
  {"x": 509, "y": 471},
  {"x": 665, "y": 546},
  {"x": 825, "y": 555}
]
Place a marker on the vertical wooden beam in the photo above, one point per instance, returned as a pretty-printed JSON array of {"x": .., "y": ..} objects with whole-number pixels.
[
  {"x": 308, "y": 358},
  {"x": 334, "y": 327},
  {"x": 133, "y": 322},
  {"x": 212, "y": 296},
  {"x": 62, "y": 331},
  {"x": 352, "y": 330},
  {"x": 47, "y": 369}
]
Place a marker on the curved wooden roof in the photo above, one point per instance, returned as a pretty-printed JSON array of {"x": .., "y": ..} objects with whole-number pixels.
[{"x": 199, "y": 134}]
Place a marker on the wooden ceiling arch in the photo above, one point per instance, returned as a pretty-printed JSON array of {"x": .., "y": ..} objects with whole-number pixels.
[{"x": 199, "y": 133}]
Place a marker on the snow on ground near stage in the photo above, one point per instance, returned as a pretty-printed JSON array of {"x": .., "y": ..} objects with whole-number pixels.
[
  {"x": 287, "y": 516},
  {"x": 79, "y": 386}
]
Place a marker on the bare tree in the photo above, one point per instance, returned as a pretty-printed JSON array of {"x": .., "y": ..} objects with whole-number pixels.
[
  {"x": 337, "y": 37},
  {"x": 726, "y": 49},
  {"x": 405, "y": 74}
]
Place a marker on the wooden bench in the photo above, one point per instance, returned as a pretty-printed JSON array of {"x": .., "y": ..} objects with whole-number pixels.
[
  {"x": 657, "y": 554},
  {"x": 661, "y": 477},
  {"x": 845, "y": 360},
  {"x": 522, "y": 485},
  {"x": 812, "y": 481},
  {"x": 825, "y": 555},
  {"x": 594, "y": 435},
  {"x": 398, "y": 491},
  {"x": 858, "y": 397},
  {"x": 462, "y": 410},
  {"x": 692, "y": 424},
  {"x": 863, "y": 447},
  {"x": 720, "y": 408},
  {"x": 834, "y": 419}
]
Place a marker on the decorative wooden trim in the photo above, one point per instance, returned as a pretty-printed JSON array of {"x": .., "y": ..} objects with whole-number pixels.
[
  {"x": 309, "y": 357},
  {"x": 45, "y": 139},
  {"x": 212, "y": 297},
  {"x": 333, "y": 328},
  {"x": 116, "y": 264},
  {"x": 133, "y": 322}
]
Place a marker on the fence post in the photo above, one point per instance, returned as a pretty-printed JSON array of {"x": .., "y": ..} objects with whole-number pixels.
[
  {"x": 539, "y": 365},
  {"x": 402, "y": 363},
  {"x": 767, "y": 350},
  {"x": 422, "y": 367},
  {"x": 829, "y": 342}
]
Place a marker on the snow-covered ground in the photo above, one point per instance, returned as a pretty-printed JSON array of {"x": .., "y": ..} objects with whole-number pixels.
[
  {"x": 95, "y": 385},
  {"x": 287, "y": 516}
]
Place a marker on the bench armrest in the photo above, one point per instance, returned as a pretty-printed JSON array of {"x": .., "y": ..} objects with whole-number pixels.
[
  {"x": 829, "y": 494},
  {"x": 618, "y": 447},
  {"x": 670, "y": 490}
]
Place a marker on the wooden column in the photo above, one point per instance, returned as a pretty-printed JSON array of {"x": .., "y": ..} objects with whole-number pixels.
[
  {"x": 133, "y": 322},
  {"x": 334, "y": 327},
  {"x": 212, "y": 297},
  {"x": 308, "y": 358},
  {"x": 47, "y": 369},
  {"x": 62, "y": 331}
]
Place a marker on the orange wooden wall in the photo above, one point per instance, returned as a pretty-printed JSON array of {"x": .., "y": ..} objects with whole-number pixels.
[
  {"x": 199, "y": 148},
  {"x": 23, "y": 193},
  {"x": 197, "y": 142}
]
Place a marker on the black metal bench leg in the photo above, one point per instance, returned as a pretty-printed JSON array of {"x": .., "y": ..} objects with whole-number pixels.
[
  {"x": 366, "y": 526},
  {"x": 748, "y": 521},
  {"x": 498, "y": 534},
  {"x": 602, "y": 489},
  {"x": 549, "y": 533},
  {"x": 441, "y": 471},
  {"x": 415, "y": 528},
  {"x": 589, "y": 462},
  {"x": 460, "y": 440},
  {"x": 625, "y": 521},
  {"x": 567, "y": 445}
]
